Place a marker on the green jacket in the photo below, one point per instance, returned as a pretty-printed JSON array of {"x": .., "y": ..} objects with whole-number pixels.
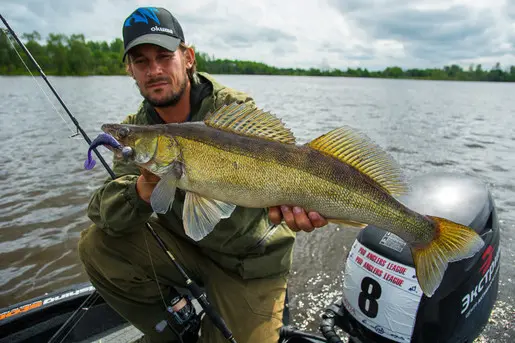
[{"x": 246, "y": 243}]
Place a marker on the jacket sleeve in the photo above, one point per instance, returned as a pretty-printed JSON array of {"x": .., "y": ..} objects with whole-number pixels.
[{"x": 116, "y": 207}]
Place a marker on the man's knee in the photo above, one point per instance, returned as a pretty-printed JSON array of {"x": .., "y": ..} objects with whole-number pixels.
[
  {"x": 121, "y": 260},
  {"x": 98, "y": 253}
]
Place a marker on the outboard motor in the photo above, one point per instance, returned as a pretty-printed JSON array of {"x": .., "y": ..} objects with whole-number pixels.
[{"x": 382, "y": 300}]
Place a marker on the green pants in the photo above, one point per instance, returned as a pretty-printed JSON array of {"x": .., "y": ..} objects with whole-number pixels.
[{"x": 122, "y": 271}]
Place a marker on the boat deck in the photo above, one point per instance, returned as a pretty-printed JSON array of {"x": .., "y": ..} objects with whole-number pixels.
[{"x": 128, "y": 334}]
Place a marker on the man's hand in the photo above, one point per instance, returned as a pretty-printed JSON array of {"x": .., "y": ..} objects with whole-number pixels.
[
  {"x": 146, "y": 184},
  {"x": 296, "y": 218}
]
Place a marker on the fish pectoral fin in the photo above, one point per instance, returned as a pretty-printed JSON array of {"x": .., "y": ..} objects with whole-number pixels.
[
  {"x": 348, "y": 223},
  {"x": 163, "y": 194},
  {"x": 453, "y": 242},
  {"x": 200, "y": 215}
]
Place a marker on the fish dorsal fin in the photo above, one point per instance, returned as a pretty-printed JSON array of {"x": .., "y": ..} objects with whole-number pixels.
[
  {"x": 359, "y": 151},
  {"x": 247, "y": 120}
]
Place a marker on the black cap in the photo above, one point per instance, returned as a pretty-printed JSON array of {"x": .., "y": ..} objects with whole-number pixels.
[{"x": 152, "y": 25}]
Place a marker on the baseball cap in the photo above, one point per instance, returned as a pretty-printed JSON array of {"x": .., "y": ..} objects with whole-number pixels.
[{"x": 151, "y": 25}]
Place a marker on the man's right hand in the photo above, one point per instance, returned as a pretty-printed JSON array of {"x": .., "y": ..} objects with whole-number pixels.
[
  {"x": 296, "y": 218},
  {"x": 146, "y": 183}
]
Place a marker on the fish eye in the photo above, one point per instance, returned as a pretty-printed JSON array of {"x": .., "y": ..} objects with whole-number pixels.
[{"x": 123, "y": 132}]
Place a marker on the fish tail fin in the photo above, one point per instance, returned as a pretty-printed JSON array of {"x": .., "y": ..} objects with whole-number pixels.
[{"x": 453, "y": 242}]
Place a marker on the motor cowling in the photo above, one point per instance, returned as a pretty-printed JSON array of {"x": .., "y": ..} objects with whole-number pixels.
[{"x": 381, "y": 294}]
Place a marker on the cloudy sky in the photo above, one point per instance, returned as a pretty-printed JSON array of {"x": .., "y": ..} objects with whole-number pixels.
[{"x": 304, "y": 33}]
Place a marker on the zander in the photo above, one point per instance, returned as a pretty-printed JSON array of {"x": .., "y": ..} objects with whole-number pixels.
[{"x": 243, "y": 156}]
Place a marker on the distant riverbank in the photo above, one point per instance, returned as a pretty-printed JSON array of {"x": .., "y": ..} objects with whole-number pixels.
[{"x": 74, "y": 56}]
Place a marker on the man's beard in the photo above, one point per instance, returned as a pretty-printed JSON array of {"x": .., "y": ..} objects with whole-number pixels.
[{"x": 172, "y": 99}]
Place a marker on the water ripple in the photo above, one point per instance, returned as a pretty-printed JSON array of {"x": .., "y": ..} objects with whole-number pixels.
[
  {"x": 441, "y": 163},
  {"x": 475, "y": 146}
]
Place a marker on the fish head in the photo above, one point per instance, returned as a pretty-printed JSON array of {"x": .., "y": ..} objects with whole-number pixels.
[{"x": 145, "y": 145}]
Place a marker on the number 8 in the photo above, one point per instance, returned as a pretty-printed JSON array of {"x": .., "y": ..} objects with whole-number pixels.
[{"x": 367, "y": 300}]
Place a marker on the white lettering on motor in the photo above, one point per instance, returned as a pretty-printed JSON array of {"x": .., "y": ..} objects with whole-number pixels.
[{"x": 469, "y": 298}]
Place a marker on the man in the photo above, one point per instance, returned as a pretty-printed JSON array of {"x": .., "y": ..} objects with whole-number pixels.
[{"x": 243, "y": 264}]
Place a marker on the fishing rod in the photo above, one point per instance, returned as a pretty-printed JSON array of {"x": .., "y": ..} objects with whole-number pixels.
[{"x": 191, "y": 285}]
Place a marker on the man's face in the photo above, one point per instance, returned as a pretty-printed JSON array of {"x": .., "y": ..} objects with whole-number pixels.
[{"x": 159, "y": 73}]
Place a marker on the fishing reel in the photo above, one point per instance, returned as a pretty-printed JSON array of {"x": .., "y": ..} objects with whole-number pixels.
[{"x": 184, "y": 321}]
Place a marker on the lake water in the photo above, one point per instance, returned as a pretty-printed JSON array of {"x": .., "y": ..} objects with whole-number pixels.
[{"x": 427, "y": 126}]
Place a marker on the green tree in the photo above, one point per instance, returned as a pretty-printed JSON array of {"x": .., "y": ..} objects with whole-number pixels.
[
  {"x": 58, "y": 54},
  {"x": 73, "y": 55},
  {"x": 79, "y": 54}
]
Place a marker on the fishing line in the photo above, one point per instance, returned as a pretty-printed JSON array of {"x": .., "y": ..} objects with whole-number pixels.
[
  {"x": 74, "y": 133},
  {"x": 75, "y": 318},
  {"x": 154, "y": 270},
  {"x": 159, "y": 288}
]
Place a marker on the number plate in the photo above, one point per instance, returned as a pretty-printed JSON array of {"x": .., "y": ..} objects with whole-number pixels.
[{"x": 381, "y": 294}]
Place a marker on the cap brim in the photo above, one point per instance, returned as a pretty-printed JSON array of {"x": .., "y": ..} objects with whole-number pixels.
[{"x": 164, "y": 41}]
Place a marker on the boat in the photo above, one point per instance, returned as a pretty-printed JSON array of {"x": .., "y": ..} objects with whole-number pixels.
[
  {"x": 38, "y": 319},
  {"x": 457, "y": 312}
]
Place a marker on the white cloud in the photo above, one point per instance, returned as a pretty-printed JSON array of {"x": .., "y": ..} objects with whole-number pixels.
[{"x": 308, "y": 33}]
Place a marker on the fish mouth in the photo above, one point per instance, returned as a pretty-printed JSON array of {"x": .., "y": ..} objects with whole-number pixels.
[
  {"x": 121, "y": 152},
  {"x": 115, "y": 150},
  {"x": 107, "y": 140}
]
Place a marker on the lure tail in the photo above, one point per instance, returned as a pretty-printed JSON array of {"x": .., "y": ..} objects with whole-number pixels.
[
  {"x": 102, "y": 139},
  {"x": 90, "y": 162},
  {"x": 454, "y": 242}
]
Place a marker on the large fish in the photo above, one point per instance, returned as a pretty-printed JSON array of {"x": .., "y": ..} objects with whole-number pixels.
[{"x": 243, "y": 156}]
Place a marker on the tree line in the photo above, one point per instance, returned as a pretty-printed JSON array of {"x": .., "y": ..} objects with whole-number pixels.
[{"x": 73, "y": 55}]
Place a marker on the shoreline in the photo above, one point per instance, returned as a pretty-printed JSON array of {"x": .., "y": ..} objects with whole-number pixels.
[{"x": 35, "y": 73}]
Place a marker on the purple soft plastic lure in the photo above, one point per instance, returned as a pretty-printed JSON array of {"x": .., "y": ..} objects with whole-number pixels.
[{"x": 102, "y": 139}]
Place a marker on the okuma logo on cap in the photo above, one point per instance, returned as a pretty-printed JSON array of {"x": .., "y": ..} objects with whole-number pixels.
[
  {"x": 142, "y": 15},
  {"x": 162, "y": 29}
]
